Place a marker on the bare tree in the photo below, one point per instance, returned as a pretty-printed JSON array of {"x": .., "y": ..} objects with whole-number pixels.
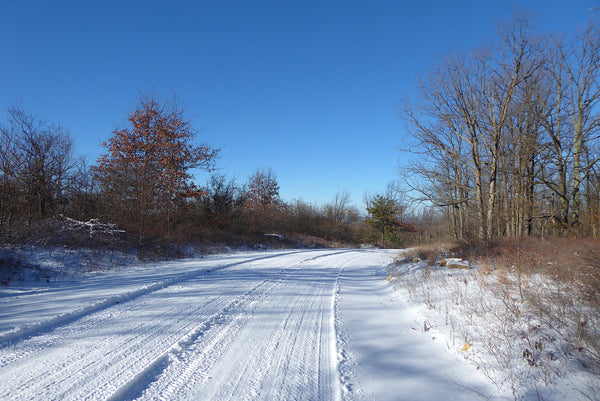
[
  {"x": 516, "y": 60},
  {"x": 581, "y": 60},
  {"x": 338, "y": 210},
  {"x": 447, "y": 126},
  {"x": 476, "y": 128},
  {"x": 571, "y": 119},
  {"x": 223, "y": 202},
  {"x": 37, "y": 163}
]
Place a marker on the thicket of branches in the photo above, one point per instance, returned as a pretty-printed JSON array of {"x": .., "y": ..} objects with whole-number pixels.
[
  {"x": 142, "y": 193},
  {"x": 507, "y": 134},
  {"x": 39, "y": 174}
]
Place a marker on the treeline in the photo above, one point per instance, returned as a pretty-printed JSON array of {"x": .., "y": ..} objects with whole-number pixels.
[
  {"x": 141, "y": 191},
  {"x": 507, "y": 134}
]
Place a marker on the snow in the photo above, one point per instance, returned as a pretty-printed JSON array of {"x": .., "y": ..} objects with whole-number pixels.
[
  {"x": 455, "y": 263},
  {"x": 481, "y": 317},
  {"x": 390, "y": 357},
  {"x": 293, "y": 324},
  {"x": 31, "y": 306}
]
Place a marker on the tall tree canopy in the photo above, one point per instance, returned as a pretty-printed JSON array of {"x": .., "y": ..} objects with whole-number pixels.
[{"x": 508, "y": 134}]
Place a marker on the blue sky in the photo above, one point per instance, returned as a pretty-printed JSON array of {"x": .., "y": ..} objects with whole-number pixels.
[{"x": 307, "y": 88}]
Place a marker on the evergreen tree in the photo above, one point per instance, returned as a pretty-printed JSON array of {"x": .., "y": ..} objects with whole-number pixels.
[{"x": 383, "y": 218}]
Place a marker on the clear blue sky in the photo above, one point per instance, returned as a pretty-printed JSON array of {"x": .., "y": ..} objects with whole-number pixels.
[{"x": 307, "y": 88}]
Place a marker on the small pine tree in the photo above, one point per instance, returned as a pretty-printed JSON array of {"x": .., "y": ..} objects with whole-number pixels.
[{"x": 383, "y": 218}]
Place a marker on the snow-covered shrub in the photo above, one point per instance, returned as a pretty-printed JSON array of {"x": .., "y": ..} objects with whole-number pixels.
[
  {"x": 430, "y": 254},
  {"x": 9, "y": 264},
  {"x": 64, "y": 231},
  {"x": 39, "y": 262}
]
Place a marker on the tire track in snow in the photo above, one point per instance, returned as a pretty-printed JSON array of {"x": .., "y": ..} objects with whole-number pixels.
[
  {"x": 100, "y": 369},
  {"x": 43, "y": 327},
  {"x": 295, "y": 357},
  {"x": 350, "y": 386},
  {"x": 46, "y": 328},
  {"x": 89, "y": 362},
  {"x": 344, "y": 369},
  {"x": 203, "y": 355},
  {"x": 196, "y": 363},
  {"x": 220, "y": 327}
]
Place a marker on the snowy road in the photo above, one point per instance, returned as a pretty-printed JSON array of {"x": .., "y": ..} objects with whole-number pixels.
[{"x": 286, "y": 326}]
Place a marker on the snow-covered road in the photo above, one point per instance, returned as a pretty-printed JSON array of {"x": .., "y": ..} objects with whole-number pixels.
[{"x": 290, "y": 325}]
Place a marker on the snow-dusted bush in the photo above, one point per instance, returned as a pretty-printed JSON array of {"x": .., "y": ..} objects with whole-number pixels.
[
  {"x": 47, "y": 264},
  {"x": 65, "y": 231}
]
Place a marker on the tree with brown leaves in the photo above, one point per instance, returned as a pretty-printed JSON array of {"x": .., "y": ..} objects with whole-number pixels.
[
  {"x": 263, "y": 190},
  {"x": 262, "y": 200},
  {"x": 145, "y": 174}
]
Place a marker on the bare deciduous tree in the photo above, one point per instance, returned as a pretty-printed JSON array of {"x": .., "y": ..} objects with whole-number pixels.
[
  {"x": 508, "y": 133},
  {"x": 36, "y": 164}
]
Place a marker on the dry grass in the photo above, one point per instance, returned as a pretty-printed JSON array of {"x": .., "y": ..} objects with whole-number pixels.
[
  {"x": 533, "y": 305},
  {"x": 428, "y": 253}
]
